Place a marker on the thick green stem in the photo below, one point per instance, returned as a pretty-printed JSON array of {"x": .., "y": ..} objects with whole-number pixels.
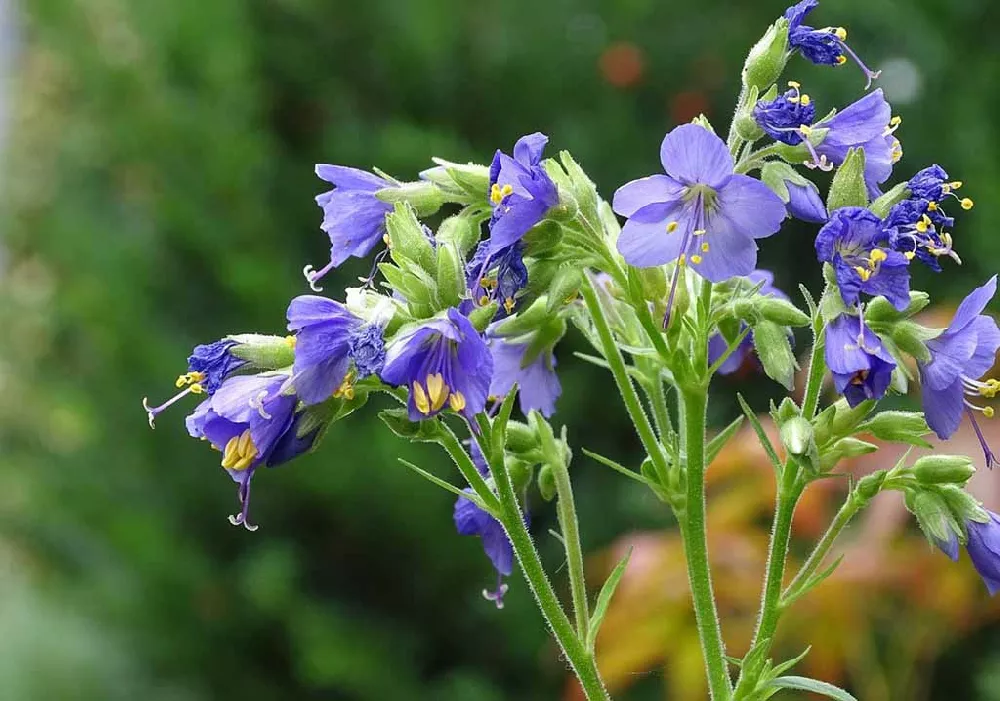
[
  {"x": 694, "y": 532},
  {"x": 572, "y": 644},
  {"x": 817, "y": 369},
  {"x": 625, "y": 387},
  {"x": 850, "y": 507}
]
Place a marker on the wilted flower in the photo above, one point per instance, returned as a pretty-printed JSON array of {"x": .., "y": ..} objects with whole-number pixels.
[
  {"x": 328, "y": 337},
  {"x": 915, "y": 229},
  {"x": 959, "y": 357},
  {"x": 857, "y": 358},
  {"x": 471, "y": 520},
  {"x": 496, "y": 275},
  {"x": 444, "y": 362},
  {"x": 253, "y": 423},
  {"x": 521, "y": 192},
  {"x": 783, "y": 117},
  {"x": 826, "y": 46},
  {"x": 353, "y": 217},
  {"x": 855, "y": 244}
]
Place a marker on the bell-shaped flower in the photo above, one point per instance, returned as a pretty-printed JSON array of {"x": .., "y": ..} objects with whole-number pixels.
[
  {"x": 537, "y": 383},
  {"x": 858, "y": 360},
  {"x": 521, "y": 192},
  {"x": 827, "y": 46}
]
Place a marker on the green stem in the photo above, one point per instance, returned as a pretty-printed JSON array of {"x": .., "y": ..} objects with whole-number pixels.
[
  {"x": 694, "y": 532},
  {"x": 817, "y": 370},
  {"x": 661, "y": 415},
  {"x": 449, "y": 441},
  {"x": 850, "y": 507},
  {"x": 625, "y": 387},
  {"x": 573, "y": 645},
  {"x": 566, "y": 507}
]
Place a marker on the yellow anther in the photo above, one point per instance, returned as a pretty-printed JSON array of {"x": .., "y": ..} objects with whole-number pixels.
[
  {"x": 841, "y": 60},
  {"x": 863, "y": 273},
  {"x": 967, "y": 203},
  {"x": 932, "y": 206},
  {"x": 508, "y": 305},
  {"x": 239, "y": 452},
  {"x": 955, "y": 184},
  {"x": 923, "y": 224},
  {"x": 456, "y": 401},
  {"x": 346, "y": 389},
  {"x": 498, "y": 192},
  {"x": 699, "y": 232},
  {"x": 671, "y": 227},
  {"x": 682, "y": 261},
  {"x": 877, "y": 256},
  {"x": 988, "y": 412},
  {"x": 386, "y": 240},
  {"x": 840, "y": 33},
  {"x": 909, "y": 255},
  {"x": 420, "y": 399},
  {"x": 181, "y": 381},
  {"x": 483, "y": 301},
  {"x": 437, "y": 391},
  {"x": 196, "y": 388},
  {"x": 794, "y": 84},
  {"x": 704, "y": 248},
  {"x": 895, "y": 121},
  {"x": 805, "y": 100},
  {"x": 696, "y": 259},
  {"x": 805, "y": 129},
  {"x": 290, "y": 341}
]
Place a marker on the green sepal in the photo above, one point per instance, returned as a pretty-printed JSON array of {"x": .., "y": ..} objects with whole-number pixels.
[
  {"x": 565, "y": 286},
  {"x": 481, "y": 317},
  {"x": 546, "y": 483},
  {"x": 843, "y": 449},
  {"x": 470, "y": 179},
  {"x": 263, "y": 352},
  {"x": 880, "y": 310},
  {"x": 898, "y": 426},
  {"x": 398, "y": 421},
  {"x": 881, "y": 206},
  {"x": 407, "y": 241},
  {"x": 424, "y": 196},
  {"x": 848, "y": 188},
  {"x": 450, "y": 277},
  {"x": 774, "y": 349}
]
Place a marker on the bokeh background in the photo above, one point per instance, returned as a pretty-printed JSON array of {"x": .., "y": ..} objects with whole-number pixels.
[{"x": 157, "y": 192}]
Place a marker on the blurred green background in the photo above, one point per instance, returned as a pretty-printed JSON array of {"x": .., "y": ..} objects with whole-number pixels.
[{"x": 157, "y": 192}]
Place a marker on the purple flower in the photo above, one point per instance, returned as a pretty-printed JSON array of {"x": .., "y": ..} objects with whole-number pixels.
[
  {"x": 208, "y": 366},
  {"x": 916, "y": 231},
  {"x": 473, "y": 521},
  {"x": 252, "y": 421},
  {"x": 521, "y": 192},
  {"x": 700, "y": 212},
  {"x": 804, "y": 203},
  {"x": 983, "y": 547},
  {"x": 868, "y": 124},
  {"x": 328, "y": 337},
  {"x": 854, "y": 243},
  {"x": 783, "y": 117},
  {"x": 353, "y": 217},
  {"x": 496, "y": 275},
  {"x": 444, "y": 362},
  {"x": 930, "y": 184},
  {"x": 959, "y": 358},
  {"x": 717, "y": 344},
  {"x": 536, "y": 379},
  {"x": 821, "y": 46},
  {"x": 860, "y": 364}
]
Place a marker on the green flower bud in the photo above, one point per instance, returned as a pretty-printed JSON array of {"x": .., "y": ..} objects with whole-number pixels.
[
  {"x": 870, "y": 485},
  {"x": 462, "y": 230},
  {"x": 898, "y": 426},
  {"x": 521, "y": 438},
  {"x": 774, "y": 350},
  {"x": 407, "y": 240},
  {"x": 398, "y": 421},
  {"x": 542, "y": 239},
  {"x": 746, "y": 126},
  {"x": 564, "y": 288},
  {"x": 424, "y": 196},
  {"x": 525, "y": 321},
  {"x": 480, "y": 317},
  {"x": 848, "y": 188},
  {"x": 843, "y": 449},
  {"x": 450, "y": 275},
  {"x": 883, "y": 204},
  {"x": 787, "y": 410},
  {"x": 911, "y": 338},
  {"x": 943, "y": 469},
  {"x": 264, "y": 352},
  {"x": 470, "y": 180},
  {"x": 520, "y": 472},
  {"x": 934, "y": 516},
  {"x": 766, "y": 60},
  {"x": 846, "y": 419},
  {"x": 797, "y": 436},
  {"x": 546, "y": 483},
  {"x": 781, "y": 311},
  {"x": 880, "y": 310}
]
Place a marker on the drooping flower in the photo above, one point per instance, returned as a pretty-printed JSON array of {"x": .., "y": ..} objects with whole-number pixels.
[
  {"x": 959, "y": 358},
  {"x": 208, "y": 366},
  {"x": 353, "y": 217},
  {"x": 496, "y": 276},
  {"x": 537, "y": 383},
  {"x": 917, "y": 231},
  {"x": 473, "y": 521},
  {"x": 783, "y": 117},
  {"x": 253, "y": 422},
  {"x": 983, "y": 547},
  {"x": 328, "y": 337},
  {"x": 521, "y": 192},
  {"x": 804, "y": 203},
  {"x": 717, "y": 344},
  {"x": 867, "y": 123},
  {"x": 858, "y": 360},
  {"x": 698, "y": 213},
  {"x": 855, "y": 244},
  {"x": 826, "y": 46},
  {"x": 444, "y": 363}
]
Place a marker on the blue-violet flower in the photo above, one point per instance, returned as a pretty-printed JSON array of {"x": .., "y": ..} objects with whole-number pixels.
[
  {"x": 521, "y": 192},
  {"x": 858, "y": 360}
]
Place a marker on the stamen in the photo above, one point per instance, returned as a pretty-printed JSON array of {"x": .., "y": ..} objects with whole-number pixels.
[
  {"x": 671, "y": 227},
  {"x": 696, "y": 259},
  {"x": 240, "y": 452},
  {"x": 704, "y": 248},
  {"x": 967, "y": 204},
  {"x": 258, "y": 404},
  {"x": 987, "y": 453},
  {"x": 456, "y": 401},
  {"x": 932, "y": 206},
  {"x": 420, "y": 399},
  {"x": 498, "y": 192},
  {"x": 508, "y": 304},
  {"x": 842, "y": 59},
  {"x": 437, "y": 391},
  {"x": 346, "y": 388}
]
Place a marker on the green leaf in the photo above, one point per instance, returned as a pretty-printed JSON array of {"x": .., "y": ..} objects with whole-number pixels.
[
  {"x": 848, "y": 188},
  {"x": 720, "y": 439},
  {"x": 604, "y": 599},
  {"x": 815, "y": 686},
  {"x": 883, "y": 204},
  {"x": 398, "y": 421},
  {"x": 617, "y": 467},
  {"x": 761, "y": 435},
  {"x": 445, "y": 485},
  {"x": 788, "y": 664}
]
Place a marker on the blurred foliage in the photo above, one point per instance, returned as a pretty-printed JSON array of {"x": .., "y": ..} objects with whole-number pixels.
[{"x": 157, "y": 194}]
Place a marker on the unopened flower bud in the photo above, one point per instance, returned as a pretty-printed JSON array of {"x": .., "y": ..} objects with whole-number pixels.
[
  {"x": 450, "y": 276},
  {"x": 767, "y": 58},
  {"x": 462, "y": 230},
  {"x": 934, "y": 517},
  {"x": 870, "y": 485},
  {"x": 943, "y": 469},
  {"x": 775, "y": 353},
  {"x": 546, "y": 483},
  {"x": 468, "y": 179},
  {"x": 881, "y": 206},
  {"x": 843, "y": 449},
  {"x": 880, "y": 310},
  {"x": 781, "y": 311},
  {"x": 848, "y": 188},
  {"x": 424, "y": 196},
  {"x": 263, "y": 352},
  {"x": 797, "y": 436}
]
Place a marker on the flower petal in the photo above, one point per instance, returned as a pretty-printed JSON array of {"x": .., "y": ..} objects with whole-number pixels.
[
  {"x": 349, "y": 178},
  {"x": 635, "y": 195},
  {"x": 974, "y": 304},
  {"x": 692, "y": 154},
  {"x": 645, "y": 242},
  {"x": 750, "y": 207},
  {"x": 528, "y": 149},
  {"x": 942, "y": 407},
  {"x": 731, "y": 253}
]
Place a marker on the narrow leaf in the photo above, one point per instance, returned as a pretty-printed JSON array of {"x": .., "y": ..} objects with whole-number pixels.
[
  {"x": 813, "y": 685},
  {"x": 445, "y": 485},
  {"x": 759, "y": 430},
  {"x": 721, "y": 438},
  {"x": 788, "y": 664},
  {"x": 617, "y": 467},
  {"x": 604, "y": 599}
]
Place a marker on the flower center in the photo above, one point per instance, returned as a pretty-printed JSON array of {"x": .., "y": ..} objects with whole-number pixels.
[
  {"x": 430, "y": 397},
  {"x": 499, "y": 192}
]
